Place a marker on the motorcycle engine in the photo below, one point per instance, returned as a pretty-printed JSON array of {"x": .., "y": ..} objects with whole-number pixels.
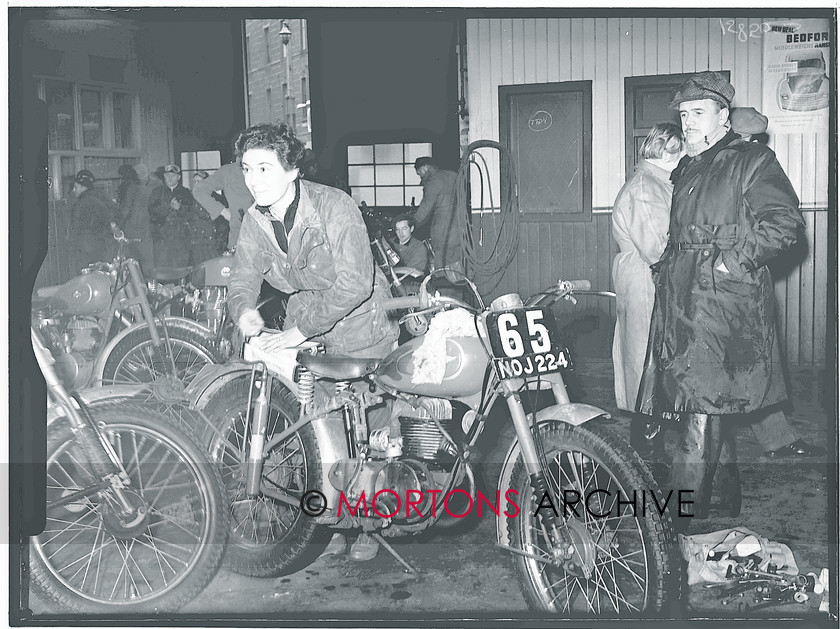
[
  {"x": 73, "y": 342},
  {"x": 416, "y": 461}
]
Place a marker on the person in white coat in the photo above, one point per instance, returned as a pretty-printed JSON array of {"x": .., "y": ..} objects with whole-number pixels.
[{"x": 640, "y": 227}]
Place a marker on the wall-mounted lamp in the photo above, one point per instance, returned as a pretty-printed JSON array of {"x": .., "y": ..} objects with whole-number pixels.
[{"x": 285, "y": 33}]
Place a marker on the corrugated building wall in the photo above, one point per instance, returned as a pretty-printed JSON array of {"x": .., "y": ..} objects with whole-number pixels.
[{"x": 605, "y": 51}]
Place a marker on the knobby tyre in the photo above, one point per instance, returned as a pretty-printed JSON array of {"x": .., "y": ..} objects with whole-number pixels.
[
  {"x": 87, "y": 561},
  {"x": 622, "y": 563},
  {"x": 134, "y": 359},
  {"x": 268, "y": 537}
]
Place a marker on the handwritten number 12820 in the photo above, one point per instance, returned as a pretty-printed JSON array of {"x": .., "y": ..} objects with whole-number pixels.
[{"x": 740, "y": 29}]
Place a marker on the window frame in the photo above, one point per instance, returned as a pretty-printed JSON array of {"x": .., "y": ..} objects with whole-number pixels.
[
  {"x": 426, "y": 146},
  {"x": 80, "y": 153}
]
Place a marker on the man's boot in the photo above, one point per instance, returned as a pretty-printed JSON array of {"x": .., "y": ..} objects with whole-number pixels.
[
  {"x": 727, "y": 483},
  {"x": 693, "y": 467},
  {"x": 647, "y": 440}
]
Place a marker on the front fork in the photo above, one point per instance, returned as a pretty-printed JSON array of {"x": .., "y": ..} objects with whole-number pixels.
[
  {"x": 530, "y": 456},
  {"x": 257, "y": 419}
]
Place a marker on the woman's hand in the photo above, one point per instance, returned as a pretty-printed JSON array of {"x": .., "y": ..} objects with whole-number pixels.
[
  {"x": 251, "y": 322},
  {"x": 287, "y": 338}
]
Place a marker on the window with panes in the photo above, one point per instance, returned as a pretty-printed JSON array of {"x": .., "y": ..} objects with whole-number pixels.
[
  {"x": 383, "y": 175},
  {"x": 92, "y": 127}
]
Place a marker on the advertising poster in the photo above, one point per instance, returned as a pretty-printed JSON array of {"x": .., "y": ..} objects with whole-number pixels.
[{"x": 797, "y": 54}]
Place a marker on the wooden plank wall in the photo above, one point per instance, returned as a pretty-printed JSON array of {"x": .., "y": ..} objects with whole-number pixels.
[{"x": 606, "y": 50}]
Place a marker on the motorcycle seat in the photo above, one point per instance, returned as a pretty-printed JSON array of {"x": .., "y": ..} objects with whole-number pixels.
[
  {"x": 171, "y": 274},
  {"x": 338, "y": 367}
]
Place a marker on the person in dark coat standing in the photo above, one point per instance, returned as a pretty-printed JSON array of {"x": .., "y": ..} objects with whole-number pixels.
[
  {"x": 170, "y": 209},
  {"x": 713, "y": 347},
  {"x": 90, "y": 223},
  {"x": 133, "y": 216},
  {"x": 439, "y": 205}
]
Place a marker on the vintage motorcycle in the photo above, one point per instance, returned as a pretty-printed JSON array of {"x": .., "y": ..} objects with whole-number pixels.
[
  {"x": 289, "y": 432},
  {"x": 102, "y": 328},
  {"x": 199, "y": 293},
  {"x": 136, "y": 518}
]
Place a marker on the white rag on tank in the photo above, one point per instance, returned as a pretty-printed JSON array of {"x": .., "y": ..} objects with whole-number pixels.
[{"x": 430, "y": 357}]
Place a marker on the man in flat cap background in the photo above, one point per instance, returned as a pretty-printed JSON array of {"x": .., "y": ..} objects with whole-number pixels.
[
  {"x": 713, "y": 348},
  {"x": 747, "y": 122},
  {"x": 775, "y": 434},
  {"x": 170, "y": 211},
  {"x": 90, "y": 222}
]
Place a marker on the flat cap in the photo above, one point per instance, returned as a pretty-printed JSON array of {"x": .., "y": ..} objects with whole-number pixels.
[
  {"x": 702, "y": 85},
  {"x": 85, "y": 178},
  {"x": 747, "y": 121}
]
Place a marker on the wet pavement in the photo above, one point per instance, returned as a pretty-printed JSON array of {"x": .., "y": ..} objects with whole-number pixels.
[{"x": 461, "y": 574}]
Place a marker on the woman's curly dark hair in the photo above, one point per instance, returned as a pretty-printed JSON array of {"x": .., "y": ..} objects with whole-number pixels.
[{"x": 271, "y": 137}]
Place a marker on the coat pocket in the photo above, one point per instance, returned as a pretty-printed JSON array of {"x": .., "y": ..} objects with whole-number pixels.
[{"x": 314, "y": 265}]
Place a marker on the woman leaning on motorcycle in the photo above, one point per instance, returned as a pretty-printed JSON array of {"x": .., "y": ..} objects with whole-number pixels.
[{"x": 308, "y": 240}]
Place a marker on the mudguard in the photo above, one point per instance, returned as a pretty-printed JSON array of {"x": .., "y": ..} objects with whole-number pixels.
[
  {"x": 175, "y": 322},
  {"x": 574, "y": 414},
  {"x": 96, "y": 395}
]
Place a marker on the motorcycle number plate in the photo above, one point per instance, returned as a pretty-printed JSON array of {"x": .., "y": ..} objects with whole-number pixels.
[{"x": 525, "y": 342}]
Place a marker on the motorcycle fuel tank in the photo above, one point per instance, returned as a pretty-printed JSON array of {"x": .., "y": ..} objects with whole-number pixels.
[
  {"x": 466, "y": 364},
  {"x": 88, "y": 293}
]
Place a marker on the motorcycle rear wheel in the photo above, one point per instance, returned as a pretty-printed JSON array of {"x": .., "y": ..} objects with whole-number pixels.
[
  {"x": 629, "y": 555},
  {"x": 268, "y": 538},
  {"x": 82, "y": 563},
  {"x": 134, "y": 360}
]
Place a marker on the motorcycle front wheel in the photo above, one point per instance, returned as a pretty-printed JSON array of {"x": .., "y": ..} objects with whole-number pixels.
[
  {"x": 89, "y": 560},
  {"x": 134, "y": 359},
  {"x": 268, "y": 537},
  {"x": 621, "y": 554}
]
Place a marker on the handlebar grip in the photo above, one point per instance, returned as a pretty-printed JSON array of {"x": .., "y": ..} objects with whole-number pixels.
[
  {"x": 401, "y": 303},
  {"x": 580, "y": 285}
]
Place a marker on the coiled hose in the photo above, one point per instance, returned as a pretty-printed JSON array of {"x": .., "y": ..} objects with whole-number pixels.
[{"x": 489, "y": 239}]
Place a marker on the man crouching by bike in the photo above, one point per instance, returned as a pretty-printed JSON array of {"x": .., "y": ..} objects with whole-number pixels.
[{"x": 308, "y": 240}]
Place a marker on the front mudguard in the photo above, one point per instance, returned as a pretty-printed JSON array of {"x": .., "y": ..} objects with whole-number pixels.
[
  {"x": 171, "y": 322},
  {"x": 574, "y": 414},
  {"x": 97, "y": 395}
]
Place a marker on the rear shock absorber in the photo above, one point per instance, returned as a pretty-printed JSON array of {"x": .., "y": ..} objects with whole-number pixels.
[{"x": 305, "y": 381}]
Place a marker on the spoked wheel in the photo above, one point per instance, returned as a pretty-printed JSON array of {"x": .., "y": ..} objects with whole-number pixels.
[
  {"x": 134, "y": 359},
  {"x": 92, "y": 557},
  {"x": 268, "y": 536},
  {"x": 617, "y": 565}
]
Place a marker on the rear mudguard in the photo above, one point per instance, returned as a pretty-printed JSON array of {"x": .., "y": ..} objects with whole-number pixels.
[
  {"x": 171, "y": 322},
  {"x": 329, "y": 431},
  {"x": 574, "y": 414},
  {"x": 96, "y": 395}
]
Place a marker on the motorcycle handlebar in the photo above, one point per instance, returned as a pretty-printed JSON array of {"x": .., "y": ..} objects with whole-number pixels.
[
  {"x": 577, "y": 285},
  {"x": 402, "y": 303}
]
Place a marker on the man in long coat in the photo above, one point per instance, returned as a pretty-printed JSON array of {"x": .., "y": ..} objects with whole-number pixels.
[
  {"x": 713, "y": 346},
  {"x": 439, "y": 205},
  {"x": 91, "y": 215}
]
